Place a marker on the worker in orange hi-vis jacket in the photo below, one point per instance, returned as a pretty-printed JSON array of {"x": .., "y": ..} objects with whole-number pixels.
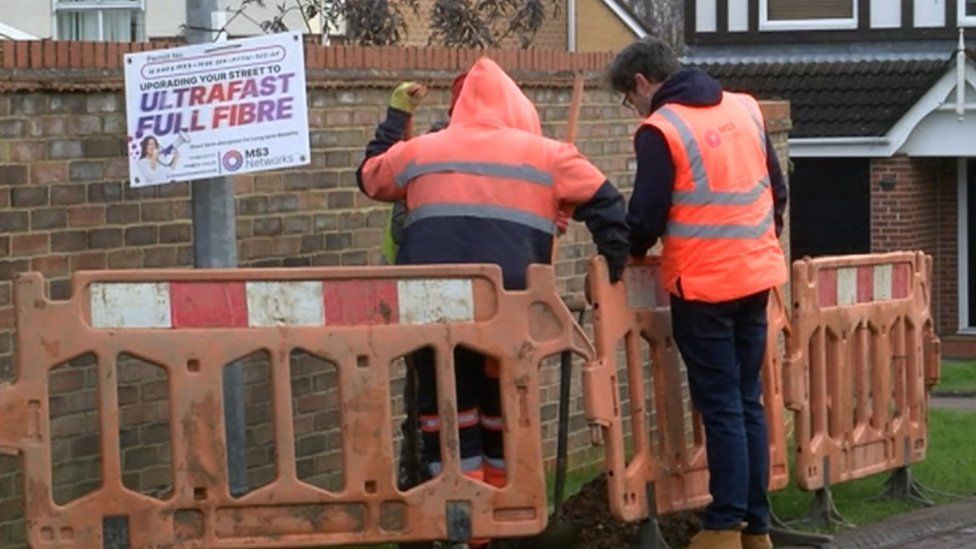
[
  {"x": 487, "y": 189},
  {"x": 709, "y": 185}
]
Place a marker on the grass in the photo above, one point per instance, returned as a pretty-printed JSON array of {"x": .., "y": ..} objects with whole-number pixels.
[
  {"x": 957, "y": 377},
  {"x": 950, "y": 466}
]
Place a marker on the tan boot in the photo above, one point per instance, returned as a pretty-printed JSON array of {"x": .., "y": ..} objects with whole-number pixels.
[
  {"x": 756, "y": 541},
  {"x": 716, "y": 539}
]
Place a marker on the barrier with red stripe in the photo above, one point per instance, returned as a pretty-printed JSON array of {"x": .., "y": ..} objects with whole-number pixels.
[
  {"x": 672, "y": 456},
  {"x": 262, "y": 304},
  {"x": 861, "y": 360},
  {"x": 193, "y": 323}
]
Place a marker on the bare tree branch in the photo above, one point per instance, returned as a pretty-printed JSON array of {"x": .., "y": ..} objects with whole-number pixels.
[{"x": 454, "y": 23}]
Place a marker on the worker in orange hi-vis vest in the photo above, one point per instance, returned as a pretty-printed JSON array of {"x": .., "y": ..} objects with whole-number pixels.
[
  {"x": 487, "y": 189},
  {"x": 709, "y": 185}
]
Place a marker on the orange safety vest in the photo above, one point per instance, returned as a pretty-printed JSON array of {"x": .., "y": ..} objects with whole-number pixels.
[{"x": 720, "y": 243}]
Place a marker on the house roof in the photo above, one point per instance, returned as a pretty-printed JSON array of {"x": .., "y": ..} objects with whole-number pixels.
[
  {"x": 835, "y": 96},
  {"x": 8, "y": 32}
]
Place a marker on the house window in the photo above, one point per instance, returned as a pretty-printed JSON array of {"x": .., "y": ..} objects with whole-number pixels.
[
  {"x": 789, "y": 15},
  {"x": 101, "y": 20},
  {"x": 967, "y": 13}
]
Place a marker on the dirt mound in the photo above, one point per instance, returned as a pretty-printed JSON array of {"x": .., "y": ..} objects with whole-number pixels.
[{"x": 599, "y": 530}]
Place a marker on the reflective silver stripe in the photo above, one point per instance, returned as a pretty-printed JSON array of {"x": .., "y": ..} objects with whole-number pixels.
[
  {"x": 471, "y": 463},
  {"x": 702, "y": 194},
  {"x": 521, "y": 172},
  {"x": 756, "y": 118},
  {"x": 467, "y": 464},
  {"x": 491, "y": 422},
  {"x": 714, "y": 232},
  {"x": 721, "y": 198},
  {"x": 430, "y": 423},
  {"x": 485, "y": 212},
  {"x": 468, "y": 418},
  {"x": 695, "y": 158},
  {"x": 495, "y": 462}
]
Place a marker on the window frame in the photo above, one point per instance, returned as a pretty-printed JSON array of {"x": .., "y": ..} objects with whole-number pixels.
[
  {"x": 99, "y": 6},
  {"x": 965, "y": 20},
  {"x": 765, "y": 24}
]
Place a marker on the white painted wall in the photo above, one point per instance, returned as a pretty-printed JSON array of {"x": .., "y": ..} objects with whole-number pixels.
[
  {"x": 941, "y": 134},
  {"x": 164, "y": 17},
  {"x": 35, "y": 20},
  {"x": 885, "y": 14}
]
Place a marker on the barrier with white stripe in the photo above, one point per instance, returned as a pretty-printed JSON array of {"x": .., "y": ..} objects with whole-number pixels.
[
  {"x": 861, "y": 360},
  {"x": 192, "y": 323},
  {"x": 278, "y": 303}
]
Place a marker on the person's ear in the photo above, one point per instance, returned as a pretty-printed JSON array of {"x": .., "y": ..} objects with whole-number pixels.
[{"x": 642, "y": 85}]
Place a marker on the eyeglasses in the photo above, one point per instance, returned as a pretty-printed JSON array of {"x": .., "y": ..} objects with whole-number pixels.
[{"x": 627, "y": 103}]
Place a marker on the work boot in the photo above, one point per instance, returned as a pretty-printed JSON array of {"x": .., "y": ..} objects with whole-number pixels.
[
  {"x": 716, "y": 539},
  {"x": 756, "y": 541}
]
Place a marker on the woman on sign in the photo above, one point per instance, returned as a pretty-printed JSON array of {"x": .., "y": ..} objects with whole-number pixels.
[{"x": 152, "y": 167}]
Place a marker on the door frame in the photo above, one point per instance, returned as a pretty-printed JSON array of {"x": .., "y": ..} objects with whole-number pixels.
[{"x": 965, "y": 327}]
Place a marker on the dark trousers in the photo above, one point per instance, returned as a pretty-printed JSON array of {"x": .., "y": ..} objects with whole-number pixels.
[
  {"x": 478, "y": 390},
  {"x": 723, "y": 345}
]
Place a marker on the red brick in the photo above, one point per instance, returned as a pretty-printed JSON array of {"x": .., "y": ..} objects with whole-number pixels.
[
  {"x": 160, "y": 257},
  {"x": 100, "y": 55},
  {"x": 29, "y": 244},
  {"x": 46, "y": 173},
  {"x": 23, "y": 54},
  {"x": 69, "y": 241},
  {"x": 51, "y": 265},
  {"x": 86, "y": 216},
  {"x": 88, "y": 54},
  {"x": 113, "y": 57},
  {"x": 28, "y": 151},
  {"x": 125, "y": 259},
  {"x": 13, "y": 174},
  {"x": 37, "y": 54},
  {"x": 63, "y": 55},
  {"x": 50, "y": 56},
  {"x": 9, "y": 59},
  {"x": 90, "y": 261}
]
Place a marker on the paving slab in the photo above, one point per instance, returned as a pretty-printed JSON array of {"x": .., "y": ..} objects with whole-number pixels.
[{"x": 950, "y": 526}]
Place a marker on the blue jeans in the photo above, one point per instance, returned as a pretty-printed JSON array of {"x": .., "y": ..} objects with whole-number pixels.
[{"x": 723, "y": 345}]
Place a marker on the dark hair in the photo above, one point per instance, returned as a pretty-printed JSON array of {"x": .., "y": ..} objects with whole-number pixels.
[
  {"x": 649, "y": 56},
  {"x": 145, "y": 144}
]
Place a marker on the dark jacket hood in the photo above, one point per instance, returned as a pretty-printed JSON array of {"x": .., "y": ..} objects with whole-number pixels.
[{"x": 691, "y": 87}]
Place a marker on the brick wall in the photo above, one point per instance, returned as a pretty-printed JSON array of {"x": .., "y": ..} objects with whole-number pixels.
[
  {"x": 919, "y": 213},
  {"x": 64, "y": 206}
]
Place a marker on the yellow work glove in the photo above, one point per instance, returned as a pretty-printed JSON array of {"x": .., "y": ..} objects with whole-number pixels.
[{"x": 407, "y": 96}]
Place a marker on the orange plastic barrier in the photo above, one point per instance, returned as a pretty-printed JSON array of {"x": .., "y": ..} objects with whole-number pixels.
[
  {"x": 863, "y": 355},
  {"x": 194, "y": 322},
  {"x": 625, "y": 314}
]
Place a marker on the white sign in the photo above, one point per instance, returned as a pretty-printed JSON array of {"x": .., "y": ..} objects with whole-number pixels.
[{"x": 216, "y": 109}]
